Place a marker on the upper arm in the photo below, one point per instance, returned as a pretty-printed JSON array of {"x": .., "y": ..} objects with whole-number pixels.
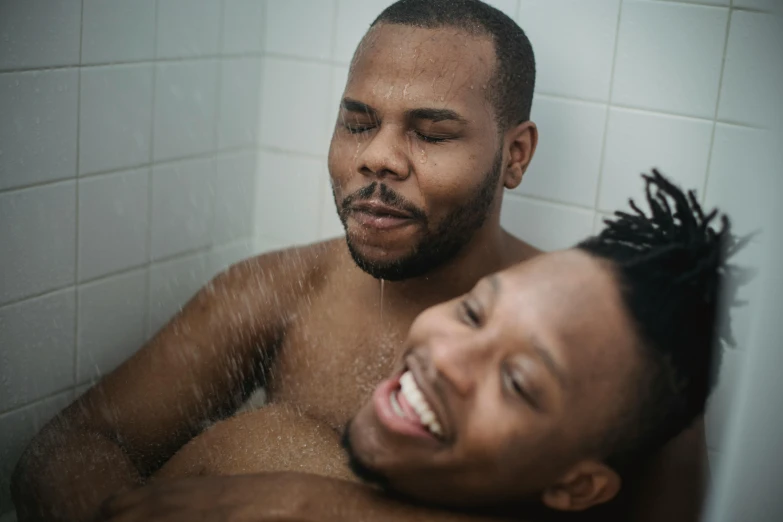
[{"x": 195, "y": 367}]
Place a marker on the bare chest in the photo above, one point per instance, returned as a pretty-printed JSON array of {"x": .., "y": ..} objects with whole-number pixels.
[{"x": 334, "y": 354}]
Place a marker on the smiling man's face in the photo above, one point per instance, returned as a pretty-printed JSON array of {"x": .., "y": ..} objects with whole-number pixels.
[{"x": 502, "y": 391}]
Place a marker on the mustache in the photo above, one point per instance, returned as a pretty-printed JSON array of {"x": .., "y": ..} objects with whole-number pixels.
[{"x": 387, "y": 196}]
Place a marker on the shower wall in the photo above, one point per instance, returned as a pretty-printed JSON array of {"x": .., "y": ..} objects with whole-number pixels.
[
  {"x": 128, "y": 149},
  {"x": 623, "y": 86}
]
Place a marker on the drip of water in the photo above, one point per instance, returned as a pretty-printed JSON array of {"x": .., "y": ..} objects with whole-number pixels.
[{"x": 382, "y": 281}]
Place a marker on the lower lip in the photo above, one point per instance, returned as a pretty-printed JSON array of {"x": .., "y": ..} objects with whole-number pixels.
[
  {"x": 388, "y": 417},
  {"x": 385, "y": 222}
]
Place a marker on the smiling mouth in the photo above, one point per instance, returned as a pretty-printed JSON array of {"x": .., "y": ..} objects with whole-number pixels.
[{"x": 408, "y": 402}]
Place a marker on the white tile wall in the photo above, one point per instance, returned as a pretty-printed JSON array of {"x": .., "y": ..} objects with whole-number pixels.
[
  {"x": 682, "y": 46},
  {"x": 181, "y": 206},
  {"x": 38, "y": 343},
  {"x": 290, "y": 33},
  {"x": 566, "y": 125},
  {"x": 753, "y": 74},
  {"x": 549, "y": 226},
  {"x": 188, "y": 28},
  {"x": 118, "y": 31},
  {"x": 637, "y": 141},
  {"x": 38, "y": 237},
  {"x": 39, "y": 131},
  {"x": 353, "y": 19},
  {"x": 296, "y": 114},
  {"x": 113, "y": 223},
  {"x": 115, "y": 120},
  {"x": 185, "y": 109},
  {"x": 142, "y": 113},
  {"x": 113, "y": 322},
  {"x": 574, "y": 45},
  {"x": 40, "y": 33}
]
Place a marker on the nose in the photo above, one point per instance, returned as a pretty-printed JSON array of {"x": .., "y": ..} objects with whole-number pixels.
[
  {"x": 461, "y": 361},
  {"x": 384, "y": 155}
]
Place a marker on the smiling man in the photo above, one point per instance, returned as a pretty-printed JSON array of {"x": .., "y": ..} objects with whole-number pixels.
[
  {"x": 434, "y": 125},
  {"x": 541, "y": 391}
]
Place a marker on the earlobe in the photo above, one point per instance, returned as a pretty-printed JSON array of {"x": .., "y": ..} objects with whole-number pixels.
[
  {"x": 585, "y": 485},
  {"x": 521, "y": 142}
]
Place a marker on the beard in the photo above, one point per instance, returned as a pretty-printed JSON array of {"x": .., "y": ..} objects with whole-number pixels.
[{"x": 438, "y": 246}]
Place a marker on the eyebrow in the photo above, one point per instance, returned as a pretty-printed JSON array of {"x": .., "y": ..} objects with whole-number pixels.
[
  {"x": 424, "y": 113},
  {"x": 546, "y": 357}
]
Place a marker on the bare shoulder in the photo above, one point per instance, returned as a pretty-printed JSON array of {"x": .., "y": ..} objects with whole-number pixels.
[{"x": 274, "y": 438}]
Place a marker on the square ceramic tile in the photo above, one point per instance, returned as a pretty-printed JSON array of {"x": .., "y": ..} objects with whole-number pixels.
[
  {"x": 172, "y": 284},
  {"x": 240, "y": 87},
  {"x": 265, "y": 244},
  {"x": 330, "y": 221},
  {"x": 753, "y": 73},
  {"x": 296, "y": 107},
  {"x": 339, "y": 80},
  {"x": 182, "y": 206},
  {"x": 637, "y": 142},
  {"x": 243, "y": 26},
  {"x": 16, "y": 430},
  {"x": 723, "y": 396},
  {"x": 222, "y": 257},
  {"x": 112, "y": 323},
  {"x": 288, "y": 197},
  {"x": 115, "y": 117},
  {"x": 669, "y": 57},
  {"x": 118, "y": 31},
  {"x": 38, "y": 134},
  {"x": 39, "y": 240},
  {"x": 353, "y": 21},
  {"x": 743, "y": 170},
  {"x": 545, "y": 225},
  {"x": 723, "y": 3},
  {"x": 37, "y": 337},
  {"x": 113, "y": 223},
  {"x": 234, "y": 193},
  {"x": 188, "y": 28},
  {"x": 40, "y": 33},
  {"x": 565, "y": 125},
  {"x": 300, "y": 28},
  {"x": 185, "y": 109},
  {"x": 573, "y": 41}
]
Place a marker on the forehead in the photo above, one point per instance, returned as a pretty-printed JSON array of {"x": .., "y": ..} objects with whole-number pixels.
[
  {"x": 571, "y": 303},
  {"x": 442, "y": 67}
]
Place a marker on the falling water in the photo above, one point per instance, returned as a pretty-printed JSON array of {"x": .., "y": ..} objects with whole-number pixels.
[{"x": 381, "y": 301}]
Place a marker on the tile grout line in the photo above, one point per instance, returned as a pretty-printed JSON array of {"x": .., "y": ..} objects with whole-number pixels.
[
  {"x": 213, "y": 178},
  {"x": 150, "y": 195},
  {"x": 70, "y": 388},
  {"x": 604, "y": 140},
  {"x": 703, "y": 195},
  {"x": 78, "y": 218}
]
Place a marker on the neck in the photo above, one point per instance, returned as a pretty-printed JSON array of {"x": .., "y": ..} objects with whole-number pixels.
[{"x": 490, "y": 249}]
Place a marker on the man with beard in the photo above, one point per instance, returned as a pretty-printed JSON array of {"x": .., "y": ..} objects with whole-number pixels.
[{"x": 434, "y": 124}]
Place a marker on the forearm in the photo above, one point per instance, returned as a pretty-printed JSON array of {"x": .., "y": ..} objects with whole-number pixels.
[{"x": 66, "y": 475}]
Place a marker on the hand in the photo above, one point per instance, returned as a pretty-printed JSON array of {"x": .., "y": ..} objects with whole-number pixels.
[{"x": 239, "y": 498}]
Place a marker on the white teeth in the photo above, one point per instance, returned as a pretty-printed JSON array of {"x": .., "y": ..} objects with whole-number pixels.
[
  {"x": 415, "y": 398},
  {"x": 396, "y": 405}
]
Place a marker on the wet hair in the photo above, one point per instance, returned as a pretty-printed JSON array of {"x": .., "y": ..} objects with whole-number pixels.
[
  {"x": 511, "y": 87},
  {"x": 671, "y": 266}
]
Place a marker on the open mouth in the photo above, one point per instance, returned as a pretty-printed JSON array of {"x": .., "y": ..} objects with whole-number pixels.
[{"x": 408, "y": 402}]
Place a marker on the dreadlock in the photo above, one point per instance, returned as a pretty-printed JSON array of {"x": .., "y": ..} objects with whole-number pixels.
[{"x": 671, "y": 267}]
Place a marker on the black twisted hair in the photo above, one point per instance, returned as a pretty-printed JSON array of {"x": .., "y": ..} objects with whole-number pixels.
[
  {"x": 671, "y": 266},
  {"x": 511, "y": 87}
]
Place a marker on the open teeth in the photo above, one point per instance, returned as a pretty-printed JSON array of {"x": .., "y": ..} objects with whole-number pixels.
[{"x": 416, "y": 399}]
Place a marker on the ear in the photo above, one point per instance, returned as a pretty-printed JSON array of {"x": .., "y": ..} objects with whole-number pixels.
[
  {"x": 587, "y": 484},
  {"x": 521, "y": 142}
]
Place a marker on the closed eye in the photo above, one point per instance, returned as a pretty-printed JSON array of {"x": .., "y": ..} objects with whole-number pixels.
[
  {"x": 515, "y": 384},
  {"x": 430, "y": 139},
  {"x": 470, "y": 314}
]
